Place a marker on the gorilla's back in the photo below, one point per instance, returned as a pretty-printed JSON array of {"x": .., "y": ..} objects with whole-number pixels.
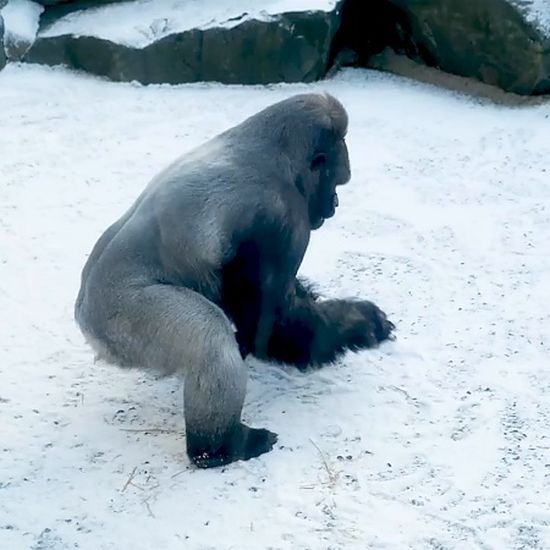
[{"x": 175, "y": 233}]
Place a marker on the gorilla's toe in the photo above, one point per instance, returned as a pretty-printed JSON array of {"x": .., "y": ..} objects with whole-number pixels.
[
  {"x": 259, "y": 441},
  {"x": 243, "y": 444}
]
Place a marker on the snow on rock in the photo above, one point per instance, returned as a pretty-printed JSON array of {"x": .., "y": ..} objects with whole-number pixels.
[
  {"x": 21, "y": 18},
  {"x": 436, "y": 440},
  {"x": 536, "y": 12},
  {"x": 138, "y": 23},
  {"x": 175, "y": 41}
]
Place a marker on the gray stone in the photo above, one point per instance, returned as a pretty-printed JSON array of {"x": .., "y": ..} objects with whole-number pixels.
[
  {"x": 287, "y": 47},
  {"x": 500, "y": 42},
  {"x": 2, "y": 52},
  {"x": 19, "y": 37}
]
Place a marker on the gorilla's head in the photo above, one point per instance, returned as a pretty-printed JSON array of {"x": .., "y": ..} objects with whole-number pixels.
[
  {"x": 311, "y": 130},
  {"x": 306, "y": 136},
  {"x": 329, "y": 166}
]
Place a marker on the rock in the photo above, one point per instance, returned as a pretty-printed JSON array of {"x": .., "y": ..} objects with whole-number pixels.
[
  {"x": 21, "y": 19},
  {"x": 366, "y": 29},
  {"x": 500, "y": 42},
  {"x": 236, "y": 41},
  {"x": 403, "y": 65},
  {"x": 2, "y": 52}
]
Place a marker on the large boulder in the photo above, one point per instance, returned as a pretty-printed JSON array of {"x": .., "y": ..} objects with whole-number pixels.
[
  {"x": 2, "y": 52},
  {"x": 156, "y": 41},
  {"x": 500, "y": 42}
]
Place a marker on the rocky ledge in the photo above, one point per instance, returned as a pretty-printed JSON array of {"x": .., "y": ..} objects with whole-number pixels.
[
  {"x": 2, "y": 52},
  {"x": 174, "y": 41},
  {"x": 505, "y": 43}
]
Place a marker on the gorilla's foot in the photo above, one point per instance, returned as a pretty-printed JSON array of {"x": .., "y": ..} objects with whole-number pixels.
[{"x": 243, "y": 443}]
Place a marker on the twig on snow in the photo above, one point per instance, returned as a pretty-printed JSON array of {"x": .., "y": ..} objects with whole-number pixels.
[
  {"x": 149, "y": 511},
  {"x": 333, "y": 477},
  {"x": 150, "y": 430},
  {"x": 129, "y": 480}
]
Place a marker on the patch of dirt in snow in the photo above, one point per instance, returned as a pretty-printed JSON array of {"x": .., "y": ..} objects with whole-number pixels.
[{"x": 438, "y": 440}]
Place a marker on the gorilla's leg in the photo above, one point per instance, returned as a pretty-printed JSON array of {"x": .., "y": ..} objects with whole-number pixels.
[
  {"x": 170, "y": 329},
  {"x": 312, "y": 332}
]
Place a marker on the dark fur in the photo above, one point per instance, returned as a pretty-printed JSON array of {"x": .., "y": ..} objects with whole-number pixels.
[
  {"x": 316, "y": 333},
  {"x": 217, "y": 239}
]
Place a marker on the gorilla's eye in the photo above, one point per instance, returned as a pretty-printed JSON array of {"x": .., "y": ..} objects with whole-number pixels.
[{"x": 318, "y": 160}]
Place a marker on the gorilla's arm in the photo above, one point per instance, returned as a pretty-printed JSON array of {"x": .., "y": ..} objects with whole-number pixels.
[
  {"x": 313, "y": 332},
  {"x": 258, "y": 283}
]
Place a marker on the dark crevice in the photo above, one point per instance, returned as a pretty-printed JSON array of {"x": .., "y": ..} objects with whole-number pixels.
[
  {"x": 369, "y": 27},
  {"x": 53, "y": 12}
]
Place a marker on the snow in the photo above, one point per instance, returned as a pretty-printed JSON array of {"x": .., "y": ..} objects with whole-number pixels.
[
  {"x": 141, "y": 22},
  {"x": 438, "y": 440},
  {"x": 537, "y": 12},
  {"x": 21, "y": 21}
]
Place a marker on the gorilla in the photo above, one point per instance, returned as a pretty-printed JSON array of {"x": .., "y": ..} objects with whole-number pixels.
[{"x": 201, "y": 271}]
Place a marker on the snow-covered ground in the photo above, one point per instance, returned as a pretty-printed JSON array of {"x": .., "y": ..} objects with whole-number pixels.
[{"x": 438, "y": 440}]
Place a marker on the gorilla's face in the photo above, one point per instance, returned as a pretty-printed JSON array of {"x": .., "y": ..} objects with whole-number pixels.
[{"x": 332, "y": 168}]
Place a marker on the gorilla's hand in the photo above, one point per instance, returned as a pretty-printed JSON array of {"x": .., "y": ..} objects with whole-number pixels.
[
  {"x": 372, "y": 326},
  {"x": 353, "y": 325},
  {"x": 317, "y": 332}
]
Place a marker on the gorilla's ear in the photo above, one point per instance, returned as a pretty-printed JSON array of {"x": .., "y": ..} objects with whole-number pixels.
[
  {"x": 318, "y": 160},
  {"x": 332, "y": 126}
]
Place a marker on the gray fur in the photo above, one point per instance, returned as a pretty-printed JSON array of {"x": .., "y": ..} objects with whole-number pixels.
[{"x": 151, "y": 288}]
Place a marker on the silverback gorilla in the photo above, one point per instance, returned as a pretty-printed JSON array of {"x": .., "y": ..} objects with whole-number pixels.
[{"x": 201, "y": 270}]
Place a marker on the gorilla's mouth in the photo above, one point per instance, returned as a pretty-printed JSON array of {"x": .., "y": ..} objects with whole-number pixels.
[
  {"x": 330, "y": 206},
  {"x": 326, "y": 210}
]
